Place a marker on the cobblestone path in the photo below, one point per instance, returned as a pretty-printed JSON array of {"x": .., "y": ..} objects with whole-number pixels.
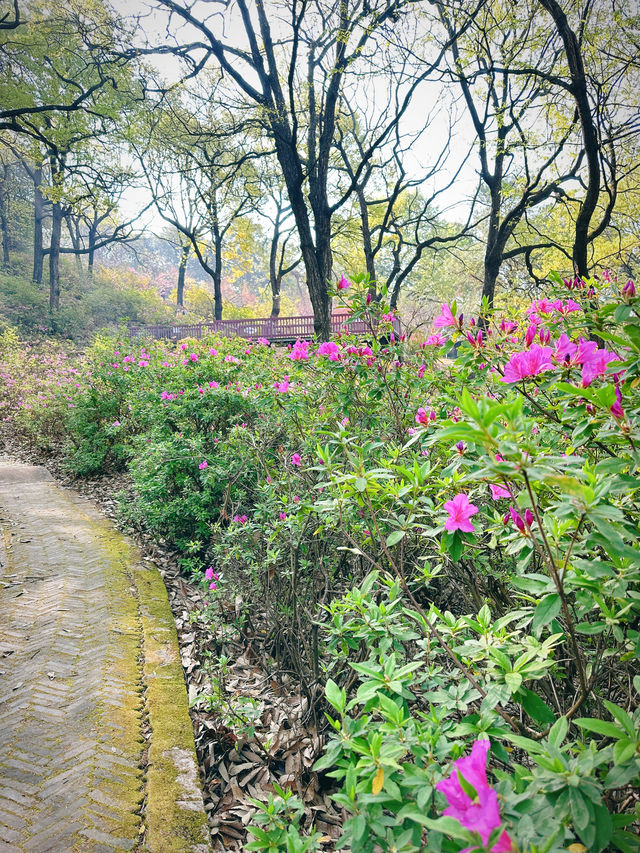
[{"x": 96, "y": 748}]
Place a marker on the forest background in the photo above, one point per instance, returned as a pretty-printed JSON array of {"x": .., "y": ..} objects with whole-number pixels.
[{"x": 229, "y": 159}]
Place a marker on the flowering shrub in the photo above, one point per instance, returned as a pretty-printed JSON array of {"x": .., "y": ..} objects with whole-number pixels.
[{"x": 449, "y": 547}]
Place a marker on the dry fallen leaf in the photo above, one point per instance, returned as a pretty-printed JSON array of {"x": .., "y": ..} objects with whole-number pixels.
[{"x": 378, "y": 781}]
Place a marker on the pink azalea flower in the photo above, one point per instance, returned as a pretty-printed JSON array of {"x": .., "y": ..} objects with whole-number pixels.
[
  {"x": 596, "y": 365},
  {"x": 480, "y": 814},
  {"x": 436, "y": 340},
  {"x": 422, "y": 417},
  {"x": 446, "y": 318},
  {"x": 629, "y": 290},
  {"x": 204, "y": 464},
  {"x": 530, "y": 363},
  {"x": 460, "y": 511},
  {"x": 330, "y": 349},
  {"x": 209, "y": 573},
  {"x": 498, "y": 492},
  {"x": 616, "y": 410},
  {"x": 296, "y": 459},
  {"x": 299, "y": 351},
  {"x": 283, "y": 516},
  {"x": 282, "y": 387},
  {"x": 565, "y": 349},
  {"x": 344, "y": 283}
]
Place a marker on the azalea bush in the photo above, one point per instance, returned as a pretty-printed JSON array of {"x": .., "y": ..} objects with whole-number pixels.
[{"x": 446, "y": 547}]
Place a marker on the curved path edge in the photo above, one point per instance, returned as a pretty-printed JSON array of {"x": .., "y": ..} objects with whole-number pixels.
[{"x": 96, "y": 744}]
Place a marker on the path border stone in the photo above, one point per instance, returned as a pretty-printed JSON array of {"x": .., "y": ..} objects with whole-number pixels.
[{"x": 172, "y": 818}]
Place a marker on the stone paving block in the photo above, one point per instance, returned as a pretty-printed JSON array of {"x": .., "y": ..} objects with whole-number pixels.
[{"x": 76, "y": 611}]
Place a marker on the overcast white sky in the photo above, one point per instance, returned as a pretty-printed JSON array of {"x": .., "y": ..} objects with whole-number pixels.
[{"x": 154, "y": 23}]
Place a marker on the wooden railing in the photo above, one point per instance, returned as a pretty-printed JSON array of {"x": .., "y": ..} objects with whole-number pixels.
[{"x": 274, "y": 329}]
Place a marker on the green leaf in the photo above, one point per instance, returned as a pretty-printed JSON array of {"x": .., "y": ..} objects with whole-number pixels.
[
  {"x": 580, "y": 812},
  {"x": 623, "y": 751},
  {"x": 621, "y": 716},
  {"x": 513, "y": 680},
  {"x": 546, "y": 610},
  {"x": 558, "y": 731},
  {"x": 601, "y": 727},
  {"x": 335, "y": 696},
  {"x": 633, "y": 332},
  {"x": 395, "y": 536},
  {"x": 453, "y": 544},
  {"x": 535, "y": 707}
]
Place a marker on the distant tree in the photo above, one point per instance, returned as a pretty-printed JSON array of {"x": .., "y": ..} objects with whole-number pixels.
[
  {"x": 594, "y": 89},
  {"x": 294, "y": 74},
  {"x": 526, "y": 157},
  {"x": 198, "y": 178},
  {"x": 68, "y": 86}
]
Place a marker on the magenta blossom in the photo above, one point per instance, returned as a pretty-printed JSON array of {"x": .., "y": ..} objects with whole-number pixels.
[
  {"x": 436, "y": 340},
  {"x": 616, "y": 410},
  {"x": 460, "y": 511},
  {"x": 204, "y": 464},
  {"x": 595, "y": 364},
  {"x": 498, "y": 492},
  {"x": 330, "y": 349},
  {"x": 565, "y": 349},
  {"x": 530, "y": 363},
  {"x": 299, "y": 351},
  {"x": 296, "y": 459},
  {"x": 446, "y": 318},
  {"x": 629, "y": 290},
  {"x": 481, "y": 813},
  {"x": 344, "y": 283}
]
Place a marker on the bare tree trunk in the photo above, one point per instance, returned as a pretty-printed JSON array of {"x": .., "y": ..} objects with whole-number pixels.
[
  {"x": 589, "y": 134},
  {"x": 54, "y": 257},
  {"x": 4, "y": 223},
  {"x": 317, "y": 261},
  {"x": 274, "y": 279},
  {"x": 217, "y": 275},
  {"x": 182, "y": 269},
  {"x": 366, "y": 239},
  {"x": 92, "y": 249},
  {"x": 57, "y": 215},
  {"x": 38, "y": 219},
  {"x": 75, "y": 242}
]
